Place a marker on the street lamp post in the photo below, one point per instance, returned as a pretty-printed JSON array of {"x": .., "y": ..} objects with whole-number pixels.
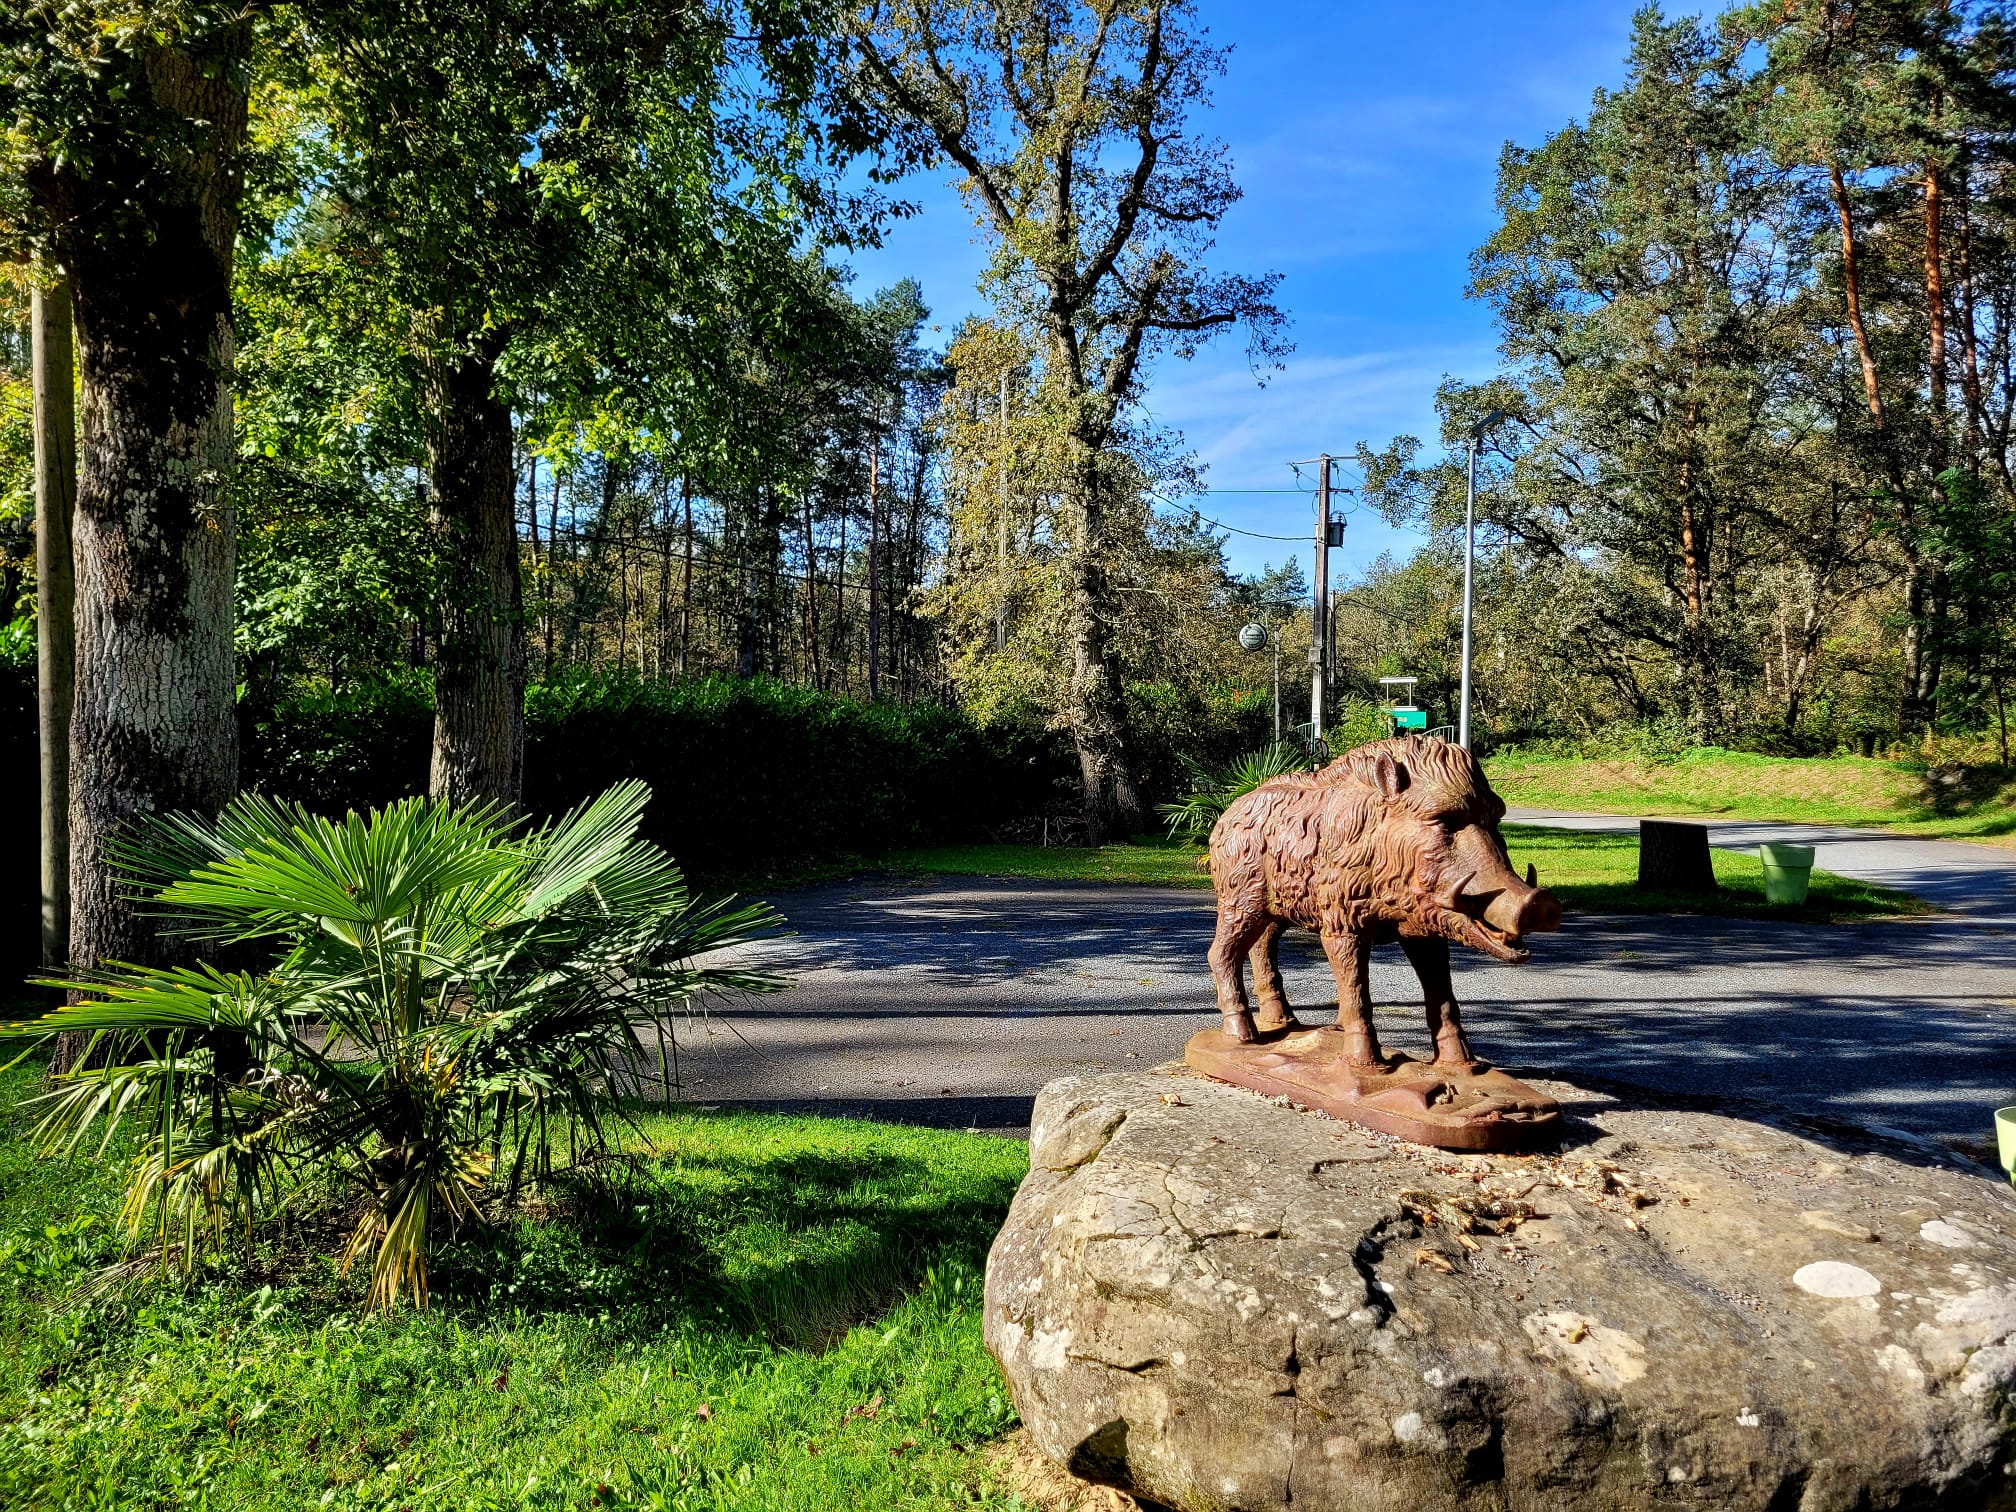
[
  {"x": 1253, "y": 637},
  {"x": 1469, "y": 563}
]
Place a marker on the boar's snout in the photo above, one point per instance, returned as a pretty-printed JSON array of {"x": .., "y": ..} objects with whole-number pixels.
[
  {"x": 1495, "y": 911},
  {"x": 1522, "y": 910}
]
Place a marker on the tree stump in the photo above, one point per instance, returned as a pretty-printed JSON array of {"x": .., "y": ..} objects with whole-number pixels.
[{"x": 1673, "y": 857}]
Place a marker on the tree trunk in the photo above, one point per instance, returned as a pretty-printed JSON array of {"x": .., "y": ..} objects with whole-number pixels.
[
  {"x": 551, "y": 598},
  {"x": 812, "y": 597},
  {"x": 842, "y": 660},
  {"x": 1702, "y": 683},
  {"x": 1851, "y": 282},
  {"x": 1935, "y": 314},
  {"x": 153, "y": 728},
  {"x": 479, "y": 676},
  {"x": 55, "y": 634},
  {"x": 686, "y": 583},
  {"x": 1911, "y": 710},
  {"x": 874, "y": 568},
  {"x": 1673, "y": 857},
  {"x": 1096, "y": 711},
  {"x": 1970, "y": 340}
]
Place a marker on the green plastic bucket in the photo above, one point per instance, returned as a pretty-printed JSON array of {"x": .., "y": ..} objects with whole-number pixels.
[
  {"x": 1788, "y": 871},
  {"x": 2005, "y": 1140}
]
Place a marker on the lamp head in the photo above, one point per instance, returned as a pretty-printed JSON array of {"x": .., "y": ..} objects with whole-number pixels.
[{"x": 1487, "y": 423}]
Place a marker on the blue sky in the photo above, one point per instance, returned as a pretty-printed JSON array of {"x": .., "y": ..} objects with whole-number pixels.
[{"x": 1366, "y": 137}]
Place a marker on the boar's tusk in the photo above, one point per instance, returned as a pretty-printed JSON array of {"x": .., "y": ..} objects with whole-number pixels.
[{"x": 1532, "y": 876}]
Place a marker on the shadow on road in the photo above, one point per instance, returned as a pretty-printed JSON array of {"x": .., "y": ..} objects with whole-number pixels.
[{"x": 953, "y": 1002}]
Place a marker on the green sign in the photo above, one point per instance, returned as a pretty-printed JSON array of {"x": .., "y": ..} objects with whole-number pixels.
[{"x": 1410, "y": 719}]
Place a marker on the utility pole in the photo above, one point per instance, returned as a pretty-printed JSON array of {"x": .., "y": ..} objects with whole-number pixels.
[
  {"x": 1469, "y": 562},
  {"x": 1319, "y": 625},
  {"x": 1001, "y": 588},
  {"x": 55, "y": 587}
]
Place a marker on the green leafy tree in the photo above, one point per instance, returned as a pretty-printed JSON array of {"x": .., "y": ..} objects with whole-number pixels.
[
  {"x": 121, "y": 166},
  {"x": 1069, "y": 121},
  {"x": 490, "y": 171}
]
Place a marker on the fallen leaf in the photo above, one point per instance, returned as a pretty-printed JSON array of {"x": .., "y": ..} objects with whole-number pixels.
[
  {"x": 1434, "y": 1260},
  {"x": 704, "y": 1413},
  {"x": 1173, "y": 1100}
]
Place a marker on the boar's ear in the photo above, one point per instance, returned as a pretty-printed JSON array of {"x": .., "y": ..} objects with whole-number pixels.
[{"x": 1389, "y": 775}]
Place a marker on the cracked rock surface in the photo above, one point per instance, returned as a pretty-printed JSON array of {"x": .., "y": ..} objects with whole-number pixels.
[{"x": 1216, "y": 1302}]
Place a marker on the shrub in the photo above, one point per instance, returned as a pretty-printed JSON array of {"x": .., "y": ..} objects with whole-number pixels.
[
  {"x": 1173, "y": 730},
  {"x": 747, "y": 773},
  {"x": 447, "y": 997},
  {"x": 1211, "y": 793}
]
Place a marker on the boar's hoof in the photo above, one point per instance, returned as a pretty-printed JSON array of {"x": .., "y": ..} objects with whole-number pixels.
[
  {"x": 1453, "y": 1051},
  {"x": 1275, "y": 1017},
  {"x": 1239, "y": 1028},
  {"x": 1361, "y": 1048}
]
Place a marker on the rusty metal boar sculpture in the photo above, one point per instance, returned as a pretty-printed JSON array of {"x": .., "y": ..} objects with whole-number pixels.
[{"x": 1397, "y": 840}]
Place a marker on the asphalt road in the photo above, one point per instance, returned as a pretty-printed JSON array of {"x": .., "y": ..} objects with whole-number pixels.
[{"x": 953, "y": 1001}]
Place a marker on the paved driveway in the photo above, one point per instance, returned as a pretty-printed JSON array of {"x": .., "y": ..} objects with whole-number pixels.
[{"x": 953, "y": 1001}]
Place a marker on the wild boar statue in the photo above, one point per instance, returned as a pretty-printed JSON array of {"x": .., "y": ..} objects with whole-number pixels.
[{"x": 1397, "y": 840}]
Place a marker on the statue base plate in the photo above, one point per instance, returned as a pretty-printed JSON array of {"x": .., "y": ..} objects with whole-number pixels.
[{"x": 1475, "y": 1107}]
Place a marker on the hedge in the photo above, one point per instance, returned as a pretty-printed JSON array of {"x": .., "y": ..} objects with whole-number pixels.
[{"x": 746, "y": 775}]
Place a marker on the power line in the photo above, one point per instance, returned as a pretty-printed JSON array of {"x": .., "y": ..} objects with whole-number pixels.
[{"x": 1258, "y": 535}]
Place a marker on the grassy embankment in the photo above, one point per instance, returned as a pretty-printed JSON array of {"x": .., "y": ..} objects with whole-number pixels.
[
  {"x": 1977, "y": 803},
  {"x": 1591, "y": 873},
  {"x": 752, "y": 1312}
]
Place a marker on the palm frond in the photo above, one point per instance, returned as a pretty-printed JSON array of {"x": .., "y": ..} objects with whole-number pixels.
[{"x": 1211, "y": 793}]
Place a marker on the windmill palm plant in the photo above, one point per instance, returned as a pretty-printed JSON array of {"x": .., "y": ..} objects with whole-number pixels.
[
  {"x": 1211, "y": 793},
  {"x": 447, "y": 996}
]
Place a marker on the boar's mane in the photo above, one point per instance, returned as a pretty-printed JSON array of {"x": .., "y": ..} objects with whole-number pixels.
[{"x": 1421, "y": 773}]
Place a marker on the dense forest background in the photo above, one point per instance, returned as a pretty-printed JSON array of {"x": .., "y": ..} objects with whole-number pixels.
[{"x": 1751, "y": 486}]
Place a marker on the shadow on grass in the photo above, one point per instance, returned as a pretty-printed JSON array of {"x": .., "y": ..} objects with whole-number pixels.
[
  {"x": 1823, "y": 906},
  {"x": 1984, "y": 794},
  {"x": 792, "y": 1246}
]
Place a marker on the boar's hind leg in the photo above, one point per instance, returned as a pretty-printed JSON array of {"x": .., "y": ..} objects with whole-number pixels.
[
  {"x": 1351, "y": 962},
  {"x": 1238, "y": 928},
  {"x": 1438, "y": 993},
  {"x": 1269, "y": 998}
]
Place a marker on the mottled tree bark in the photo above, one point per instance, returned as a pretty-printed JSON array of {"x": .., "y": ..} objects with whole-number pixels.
[
  {"x": 147, "y": 235},
  {"x": 1096, "y": 712},
  {"x": 479, "y": 677},
  {"x": 55, "y": 594}
]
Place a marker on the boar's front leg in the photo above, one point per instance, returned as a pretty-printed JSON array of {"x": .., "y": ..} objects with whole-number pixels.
[
  {"x": 1438, "y": 994},
  {"x": 1269, "y": 997},
  {"x": 1238, "y": 928},
  {"x": 1351, "y": 961}
]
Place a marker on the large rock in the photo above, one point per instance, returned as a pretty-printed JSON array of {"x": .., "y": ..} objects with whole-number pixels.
[{"x": 1215, "y": 1301}]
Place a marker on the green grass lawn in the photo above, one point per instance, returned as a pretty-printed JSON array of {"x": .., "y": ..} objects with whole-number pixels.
[
  {"x": 752, "y": 1312},
  {"x": 1149, "y": 859},
  {"x": 1589, "y": 872},
  {"x": 1598, "y": 873},
  {"x": 1979, "y": 804}
]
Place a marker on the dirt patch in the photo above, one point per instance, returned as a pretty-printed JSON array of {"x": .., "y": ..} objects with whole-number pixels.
[{"x": 1043, "y": 1483}]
